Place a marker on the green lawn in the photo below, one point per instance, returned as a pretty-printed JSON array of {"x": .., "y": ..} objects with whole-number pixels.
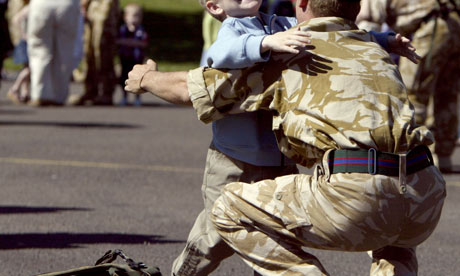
[{"x": 167, "y": 6}]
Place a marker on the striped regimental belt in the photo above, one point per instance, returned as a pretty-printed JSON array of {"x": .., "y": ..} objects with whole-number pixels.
[{"x": 375, "y": 162}]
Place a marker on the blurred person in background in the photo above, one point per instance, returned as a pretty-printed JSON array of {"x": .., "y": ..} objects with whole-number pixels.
[
  {"x": 20, "y": 90},
  {"x": 51, "y": 34},
  {"x": 132, "y": 41},
  {"x": 101, "y": 30},
  {"x": 14, "y": 6},
  {"x": 435, "y": 82},
  {"x": 5, "y": 46}
]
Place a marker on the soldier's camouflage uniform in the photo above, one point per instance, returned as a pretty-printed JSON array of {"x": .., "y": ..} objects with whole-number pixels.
[
  {"x": 342, "y": 93},
  {"x": 436, "y": 78},
  {"x": 101, "y": 31}
]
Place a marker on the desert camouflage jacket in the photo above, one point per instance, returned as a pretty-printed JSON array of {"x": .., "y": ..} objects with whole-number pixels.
[
  {"x": 403, "y": 16},
  {"x": 343, "y": 92}
]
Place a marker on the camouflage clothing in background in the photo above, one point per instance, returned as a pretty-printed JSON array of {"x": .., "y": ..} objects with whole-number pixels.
[
  {"x": 101, "y": 30},
  {"x": 436, "y": 78},
  {"x": 344, "y": 92}
]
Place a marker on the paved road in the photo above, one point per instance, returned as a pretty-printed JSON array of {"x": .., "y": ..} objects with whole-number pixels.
[{"x": 77, "y": 181}]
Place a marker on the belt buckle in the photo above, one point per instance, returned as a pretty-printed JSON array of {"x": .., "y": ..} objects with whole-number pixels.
[
  {"x": 372, "y": 166},
  {"x": 402, "y": 173}
]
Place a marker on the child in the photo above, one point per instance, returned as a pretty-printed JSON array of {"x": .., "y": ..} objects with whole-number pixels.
[{"x": 132, "y": 40}]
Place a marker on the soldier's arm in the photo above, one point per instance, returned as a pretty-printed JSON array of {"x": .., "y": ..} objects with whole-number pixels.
[
  {"x": 169, "y": 86},
  {"x": 214, "y": 93}
]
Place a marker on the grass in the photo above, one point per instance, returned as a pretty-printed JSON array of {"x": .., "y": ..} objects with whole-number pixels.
[
  {"x": 167, "y": 6},
  {"x": 174, "y": 28}
]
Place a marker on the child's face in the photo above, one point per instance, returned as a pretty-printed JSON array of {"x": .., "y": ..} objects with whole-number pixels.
[
  {"x": 133, "y": 17},
  {"x": 240, "y": 8}
]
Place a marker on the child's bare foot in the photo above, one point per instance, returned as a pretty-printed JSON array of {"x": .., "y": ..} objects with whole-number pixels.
[{"x": 14, "y": 97}]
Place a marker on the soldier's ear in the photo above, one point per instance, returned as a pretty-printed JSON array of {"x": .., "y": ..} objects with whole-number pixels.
[{"x": 303, "y": 3}]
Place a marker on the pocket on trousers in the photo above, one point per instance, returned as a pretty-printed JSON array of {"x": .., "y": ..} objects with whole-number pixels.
[{"x": 287, "y": 206}]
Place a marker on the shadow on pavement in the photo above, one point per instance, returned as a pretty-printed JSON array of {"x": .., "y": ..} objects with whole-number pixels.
[
  {"x": 36, "y": 209},
  {"x": 16, "y": 112},
  {"x": 68, "y": 124},
  {"x": 75, "y": 240}
]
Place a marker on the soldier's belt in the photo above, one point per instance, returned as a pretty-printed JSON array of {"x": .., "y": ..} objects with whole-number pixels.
[{"x": 375, "y": 162}]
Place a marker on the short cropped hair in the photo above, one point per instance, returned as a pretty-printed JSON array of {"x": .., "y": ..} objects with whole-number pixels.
[{"x": 348, "y": 9}]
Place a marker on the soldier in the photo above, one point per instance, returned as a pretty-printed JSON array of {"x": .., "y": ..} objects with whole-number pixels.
[
  {"x": 435, "y": 82},
  {"x": 101, "y": 29},
  {"x": 343, "y": 106}
]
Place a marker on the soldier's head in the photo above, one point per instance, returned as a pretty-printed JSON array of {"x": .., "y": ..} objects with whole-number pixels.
[
  {"x": 306, "y": 9},
  {"x": 221, "y": 9}
]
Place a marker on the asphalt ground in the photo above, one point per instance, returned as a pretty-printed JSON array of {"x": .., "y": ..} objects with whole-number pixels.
[{"x": 78, "y": 181}]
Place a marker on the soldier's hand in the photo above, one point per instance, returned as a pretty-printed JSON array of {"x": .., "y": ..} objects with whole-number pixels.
[
  {"x": 288, "y": 41},
  {"x": 401, "y": 45},
  {"x": 134, "y": 82}
]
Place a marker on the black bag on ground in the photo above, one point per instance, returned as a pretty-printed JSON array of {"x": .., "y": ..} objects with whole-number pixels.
[{"x": 105, "y": 267}]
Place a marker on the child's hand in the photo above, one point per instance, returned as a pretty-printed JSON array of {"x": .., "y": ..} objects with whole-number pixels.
[
  {"x": 288, "y": 41},
  {"x": 401, "y": 45}
]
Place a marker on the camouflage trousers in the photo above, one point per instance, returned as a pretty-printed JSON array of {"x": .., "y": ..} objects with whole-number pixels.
[
  {"x": 434, "y": 83},
  {"x": 268, "y": 223},
  {"x": 100, "y": 48}
]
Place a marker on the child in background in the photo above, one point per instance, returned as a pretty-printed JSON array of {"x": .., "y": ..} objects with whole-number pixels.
[{"x": 132, "y": 41}]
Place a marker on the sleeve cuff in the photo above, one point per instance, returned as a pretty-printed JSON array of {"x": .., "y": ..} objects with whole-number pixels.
[
  {"x": 199, "y": 95},
  {"x": 254, "y": 43},
  {"x": 382, "y": 38}
]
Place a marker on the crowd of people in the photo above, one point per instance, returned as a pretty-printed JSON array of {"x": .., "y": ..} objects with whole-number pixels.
[{"x": 57, "y": 40}]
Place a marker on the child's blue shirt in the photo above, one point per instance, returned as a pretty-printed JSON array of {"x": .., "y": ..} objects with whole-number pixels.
[
  {"x": 239, "y": 39},
  {"x": 247, "y": 137}
]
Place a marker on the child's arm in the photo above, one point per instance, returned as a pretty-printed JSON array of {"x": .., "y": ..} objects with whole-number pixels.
[
  {"x": 397, "y": 44},
  {"x": 132, "y": 42},
  {"x": 288, "y": 41},
  {"x": 234, "y": 49},
  {"x": 401, "y": 45},
  {"x": 19, "y": 18}
]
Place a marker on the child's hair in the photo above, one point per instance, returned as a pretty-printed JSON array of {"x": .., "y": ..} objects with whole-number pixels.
[{"x": 134, "y": 6}]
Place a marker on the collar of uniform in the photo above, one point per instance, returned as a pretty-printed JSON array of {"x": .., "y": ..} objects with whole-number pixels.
[{"x": 328, "y": 24}]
